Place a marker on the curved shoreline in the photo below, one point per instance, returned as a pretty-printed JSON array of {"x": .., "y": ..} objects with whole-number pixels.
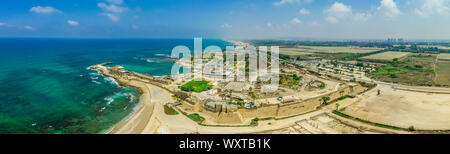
[
  {"x": 136, "y": 121},
  {"x": 124, "y": 120}
]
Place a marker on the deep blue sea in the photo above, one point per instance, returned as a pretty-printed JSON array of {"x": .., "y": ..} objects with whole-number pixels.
[{"x": 45, "y": 86}]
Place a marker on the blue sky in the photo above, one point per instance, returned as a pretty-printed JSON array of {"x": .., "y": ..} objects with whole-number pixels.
[{"x": 227, "y": 19}]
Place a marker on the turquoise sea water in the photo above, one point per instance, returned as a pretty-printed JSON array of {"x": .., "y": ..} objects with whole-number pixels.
[{"x": 45, "y": 86}]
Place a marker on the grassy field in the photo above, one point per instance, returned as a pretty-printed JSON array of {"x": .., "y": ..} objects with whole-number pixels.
[
  {"x": 197, "y": 118},
  {"x": 195, "y": 86},
  {"x": 387, "y": 56},
  {"x": 443, "y": 73},
  {"x": 291, "y": 81},
  {"x": 414, "y": 70},
  {"x": 444, "y": 56},
  {"x": 302, "y": 50},
  {"x": 169, "y": 110}
]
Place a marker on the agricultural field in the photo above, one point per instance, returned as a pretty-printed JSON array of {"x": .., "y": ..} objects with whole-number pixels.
[
  {"x": 414, "y": 70},
  {"x": 444, "y": 56},
  {"x": 302, "y": 50},
  {"x": 293, "y": 52},
  {"x": 386, "y": 56},
  {"x": 443, "y": 73}
]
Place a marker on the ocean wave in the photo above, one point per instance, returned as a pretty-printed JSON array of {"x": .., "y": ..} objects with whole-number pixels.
[
  {"x": 96, "y": 82},
  {"x": 111, "y": 99},
  {"x": 162, "y": 55},
  {"x": 153, "y": 60},
  {"x": 94, "y": 74},
  {"x": 112, "y": 81},
  {"x": 102, "y": 109}
]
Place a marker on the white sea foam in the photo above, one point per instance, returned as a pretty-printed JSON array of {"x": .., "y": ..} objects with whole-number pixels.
[
  {"x": 162, "y": 55},
  {"x": 153, "y": 60},
  {"x": 96, "y": 82},
  {"x": 109, "y": 100},
  {"x": 103, "y": 108},
  {"x": 94, "y": 74},
  {"x": 112, "y": 81}
]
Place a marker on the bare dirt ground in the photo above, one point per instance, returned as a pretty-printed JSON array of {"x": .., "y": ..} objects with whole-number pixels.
[
  {"x": 330, "y": 124},
  {"x": 330, "y": 86},
  {"x": 404, "y": 109}
]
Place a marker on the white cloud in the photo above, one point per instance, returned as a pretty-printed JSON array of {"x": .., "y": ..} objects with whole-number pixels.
[
  {"x": 73, "y": 23},
  {"x": 46, "y": 9},
  {"x": 303, "y": 11},
  {"x": 115, "y": 1},
  {"x": 296, "y": 21},
  {"x": 282, "y": 2},
  {"x": 389, "y": 8},
  {"x": 29, "y": 27},
  {"x": 112, "y": 8},
  {"x": 2, "y": 23},
  {"x": 113, "y": 17},
  {"x": 269, "y": 25},
  {"x": 226, "y": 26},
  {"x": 361, "y": 16},
  {"x": 431, "y": 7},
  {"x": 337, "y": 11}
]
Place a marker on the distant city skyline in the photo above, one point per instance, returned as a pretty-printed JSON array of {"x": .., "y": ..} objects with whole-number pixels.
[{"x": 227, "y": 19}]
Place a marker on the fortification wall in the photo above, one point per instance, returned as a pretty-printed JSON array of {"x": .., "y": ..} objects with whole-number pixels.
[
  {"x": 313, "y": 103},
  {"x": 228, "y": 118},
  {"x": 282, "y": 110},
  {"x": 262, "y": 112},
  {"x": 298, "y": 108}
]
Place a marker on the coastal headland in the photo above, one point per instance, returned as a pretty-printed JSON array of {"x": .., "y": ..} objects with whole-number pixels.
[{"x": 158, "y": 92}]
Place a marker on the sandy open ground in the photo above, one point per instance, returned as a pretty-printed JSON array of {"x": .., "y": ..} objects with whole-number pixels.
[{"x": 404, "y": 109}]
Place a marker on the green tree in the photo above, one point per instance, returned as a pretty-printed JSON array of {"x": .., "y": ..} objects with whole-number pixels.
[{"x": 325, "y": 100}]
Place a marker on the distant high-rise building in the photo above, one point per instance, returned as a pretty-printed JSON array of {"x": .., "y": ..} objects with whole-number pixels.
[{"x": 395, "y": 40}]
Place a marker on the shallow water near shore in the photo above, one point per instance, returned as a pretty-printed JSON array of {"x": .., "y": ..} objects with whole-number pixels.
[{"x": 45, "y": 86}]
